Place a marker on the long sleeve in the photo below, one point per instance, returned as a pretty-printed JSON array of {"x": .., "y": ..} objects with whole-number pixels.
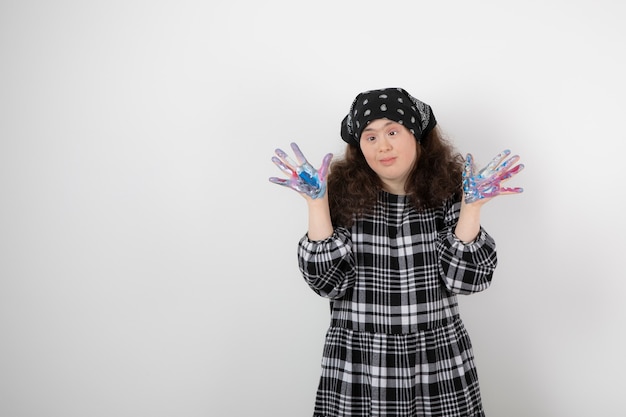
[
  {"x": 465, "y": 268},
  {"x": 328, "y": 265}
]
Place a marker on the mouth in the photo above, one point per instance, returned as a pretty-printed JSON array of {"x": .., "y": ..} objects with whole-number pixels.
[{"x": 387, "y": 161}]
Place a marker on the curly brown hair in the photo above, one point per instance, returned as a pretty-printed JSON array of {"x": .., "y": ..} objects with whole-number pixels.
[{"x": 353, "y": 186}]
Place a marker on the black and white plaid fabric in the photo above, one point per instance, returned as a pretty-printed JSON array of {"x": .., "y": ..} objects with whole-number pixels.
[{"x": 396, "y": 345}]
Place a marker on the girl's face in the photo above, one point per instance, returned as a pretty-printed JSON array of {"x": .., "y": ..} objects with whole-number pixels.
[{"x": 391, "y": 151}]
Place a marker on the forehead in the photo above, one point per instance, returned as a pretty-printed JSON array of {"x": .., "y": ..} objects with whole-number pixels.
[{"x": 379, "y": 124}]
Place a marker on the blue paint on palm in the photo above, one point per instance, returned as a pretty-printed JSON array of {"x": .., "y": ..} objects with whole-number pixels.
[{"x": 309, "y": 179}]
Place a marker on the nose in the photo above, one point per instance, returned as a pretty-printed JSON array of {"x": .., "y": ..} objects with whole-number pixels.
[{"x": 384, "y": 144}]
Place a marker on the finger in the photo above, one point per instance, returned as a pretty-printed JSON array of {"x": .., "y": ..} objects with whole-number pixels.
[
  {"x": 497, "y": 160},
  {"x": 285, "y": 168},
  {"x": 286, "y": 159},
  {"x": 296, "y": 150},
  {"x": 507, "y": 164},
  {"x": 469, "y": 165},
  {"x": 511, "y": 172},
  {"x": 325, "y": 164},
  {"x": 469, "y": 183},
  {"x": 513, "y": 190},
  {"x": 279, "y": 181},
  {"x": 494, "y": 165}
]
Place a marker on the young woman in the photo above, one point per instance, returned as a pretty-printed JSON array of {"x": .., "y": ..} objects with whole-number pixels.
[{"x": 391, "y": 244}]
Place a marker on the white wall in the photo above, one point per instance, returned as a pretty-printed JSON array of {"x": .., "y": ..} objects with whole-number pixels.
[{"x": 147, "y": 266}]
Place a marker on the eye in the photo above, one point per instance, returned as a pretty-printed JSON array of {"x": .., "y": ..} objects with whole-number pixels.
[{"x": 393, "y": 132}]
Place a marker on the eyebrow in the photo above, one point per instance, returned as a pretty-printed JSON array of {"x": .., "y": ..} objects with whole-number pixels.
[{"x": 385, "y": 125}]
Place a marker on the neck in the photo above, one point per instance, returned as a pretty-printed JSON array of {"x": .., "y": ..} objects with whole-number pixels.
[{"x": 394, "y": 188}]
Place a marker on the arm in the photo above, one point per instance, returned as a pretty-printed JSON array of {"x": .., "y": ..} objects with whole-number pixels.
[
  {"x": 468, "y": 257},
  {"x": 465, "y": 266},
  {"x": 320, "y": 226},
  {"x": 324, "y": 253},
  {"x": 468, "y": 226},
  {"x": 328, "y": 265}
]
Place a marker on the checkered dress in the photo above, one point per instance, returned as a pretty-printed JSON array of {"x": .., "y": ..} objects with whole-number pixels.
[{"x": 396, "y": 345}]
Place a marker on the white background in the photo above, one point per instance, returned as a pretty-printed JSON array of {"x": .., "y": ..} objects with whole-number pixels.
[{"x": 147, "y": 266}]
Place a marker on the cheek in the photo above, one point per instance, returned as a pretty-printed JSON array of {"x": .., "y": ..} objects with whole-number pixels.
[
  {"x": 366, "y": 152},
  {"x": 370, "y": 158},
  {"x": 415, "y": 150}
]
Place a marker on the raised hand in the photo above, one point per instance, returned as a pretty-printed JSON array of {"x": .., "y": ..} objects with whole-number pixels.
[
  {"x": 486, "y": 183},
  {"x": 303, "y": 177}
]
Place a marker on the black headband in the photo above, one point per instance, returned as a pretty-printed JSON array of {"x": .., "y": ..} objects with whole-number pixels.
[{"x": 389, "y": 103}]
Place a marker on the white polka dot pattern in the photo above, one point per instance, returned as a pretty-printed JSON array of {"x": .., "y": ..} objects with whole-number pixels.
[{"x": 391, "y": 103}]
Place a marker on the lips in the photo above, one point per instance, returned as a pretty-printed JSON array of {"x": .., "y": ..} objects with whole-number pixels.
[{"x": 387, "y": 161}]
